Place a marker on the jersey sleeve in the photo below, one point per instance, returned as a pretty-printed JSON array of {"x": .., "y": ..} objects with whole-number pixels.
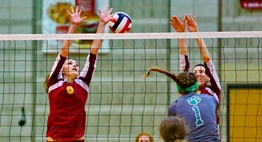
[
  {"x": 56, "y": 73},
  {"x": 88, "y": 70},
  {"x": 184, "y": 62},
  {"x": 214, "y": 79}
]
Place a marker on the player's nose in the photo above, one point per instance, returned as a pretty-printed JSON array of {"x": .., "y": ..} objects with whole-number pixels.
[{"x": 197, "y": 74}]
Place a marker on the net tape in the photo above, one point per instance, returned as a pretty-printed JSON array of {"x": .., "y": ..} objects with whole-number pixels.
[{"x": 171, "y": 35}]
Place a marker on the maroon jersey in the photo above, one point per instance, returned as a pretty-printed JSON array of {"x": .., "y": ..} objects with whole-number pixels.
[
  {"x": 66, "y": 120},
  {"x": 213, "y": 87}
]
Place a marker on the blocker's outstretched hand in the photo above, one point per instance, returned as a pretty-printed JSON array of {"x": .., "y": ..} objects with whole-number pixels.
[
  {"x": 191, "y": 23},
  {"x": 76, "y": 15},
  {"x": 106, "y": 16},
  {"x": 177, "y": 24}
]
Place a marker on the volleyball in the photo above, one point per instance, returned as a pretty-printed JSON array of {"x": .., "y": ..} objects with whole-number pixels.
[{"x": 120, "y": 23}]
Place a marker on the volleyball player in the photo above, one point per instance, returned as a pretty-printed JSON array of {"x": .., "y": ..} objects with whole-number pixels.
[
  {"x": 67, "y": 91},
  {"x": 144, "y": 137},
  {"x": 206, "y": 74},
  {"x": 173, "y": 129},
  {"x": 198, "y": 110}
]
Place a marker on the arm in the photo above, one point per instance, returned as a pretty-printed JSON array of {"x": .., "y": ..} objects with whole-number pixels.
[
  {"x": 61, "y": 58},
  {"x": 214, "y": 79},
  {"x": 66, "y": 44},
  {"x": 210, "y": 68},
  {"x": 192, "y": 27},
  {"x": 179, "y": 27},
  {"x": 75, "y": 21},
  {"x": 90, "y": 64},
  {"x": 183, "y": 51},
  {"x": 203, "y": 50},
  {"x": 104, "y": 19}
]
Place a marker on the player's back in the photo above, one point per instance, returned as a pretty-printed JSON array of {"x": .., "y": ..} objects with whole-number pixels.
[{"x": 199, "y": 112}]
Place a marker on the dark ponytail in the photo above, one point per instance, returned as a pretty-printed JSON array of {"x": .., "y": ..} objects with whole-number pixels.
[
  {"x": 173, "y": 76},
  {"x": 183, "y": 79}
]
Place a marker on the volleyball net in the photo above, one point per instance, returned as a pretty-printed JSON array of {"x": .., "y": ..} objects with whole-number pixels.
[{"x": 121, "y": 102}]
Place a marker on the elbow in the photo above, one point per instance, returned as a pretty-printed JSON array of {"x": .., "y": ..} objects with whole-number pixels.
[
  {"x": 206, "y": 59},
  {"x": 64, "y": 53},
  {"x": 94, "y": 50}
]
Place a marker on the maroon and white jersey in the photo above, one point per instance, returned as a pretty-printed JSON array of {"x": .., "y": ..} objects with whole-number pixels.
[
  {"x": 213, "y": 88},
  {"x": 67, "y": 117}
]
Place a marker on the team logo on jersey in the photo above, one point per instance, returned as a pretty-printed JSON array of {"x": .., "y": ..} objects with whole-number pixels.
[
  {"x": 70, "y": 90},
  {"x": 193, "y": 101}
]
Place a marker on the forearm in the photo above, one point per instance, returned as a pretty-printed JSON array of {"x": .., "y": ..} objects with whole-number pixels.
[
  {"x": 182, "y": 46},
  {"x": 66, "y": 43},
  {"x": 203, "y": 50},
  {"x": 97, "y": 42}
]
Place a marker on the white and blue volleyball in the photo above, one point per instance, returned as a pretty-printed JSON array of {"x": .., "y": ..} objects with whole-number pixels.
[{"x": 121, "y": 23}]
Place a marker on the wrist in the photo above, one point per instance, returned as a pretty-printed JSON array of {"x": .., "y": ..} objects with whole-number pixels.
[
  {"x": 194, "y": 31},
  {"x": 74, "y": 25},
  {"x": 102, "y": 23}
]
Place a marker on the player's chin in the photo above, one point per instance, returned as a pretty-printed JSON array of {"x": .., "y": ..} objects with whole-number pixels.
[
  {"x": 74, "y": 74},
  {"x": 201, "y": 84}
]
